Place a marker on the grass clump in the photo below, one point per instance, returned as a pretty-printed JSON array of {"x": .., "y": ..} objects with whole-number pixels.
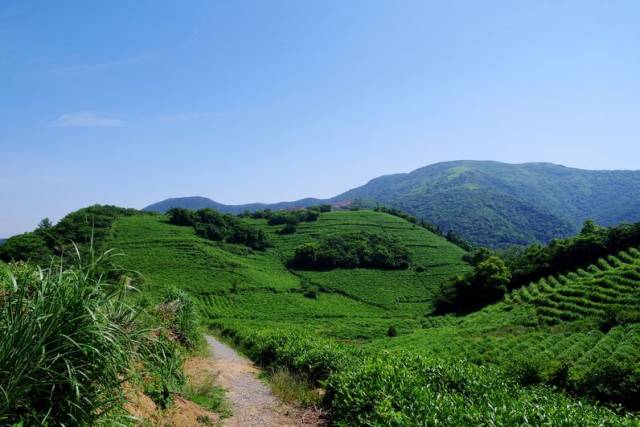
[
  {"x": 67, "y": 339},
  {"x": 208, "y": 395},
  {"x": 162, "y": 376},
  {"x": 179, "y": 314},
  {"x": 293, "y": 388}
]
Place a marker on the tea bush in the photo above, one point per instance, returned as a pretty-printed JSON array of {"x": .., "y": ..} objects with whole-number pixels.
[{"x": 402, "y": 389}]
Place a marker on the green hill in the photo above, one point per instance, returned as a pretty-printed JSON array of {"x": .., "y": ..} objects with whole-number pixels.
[
  {"x": 578, "y": 331},
  {"x": 234, "y": 282}
]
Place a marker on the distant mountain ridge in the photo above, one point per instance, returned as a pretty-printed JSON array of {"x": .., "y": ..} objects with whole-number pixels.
[
  {"x": 490, "y": 203},
  {"x": 197, "y": 202}
]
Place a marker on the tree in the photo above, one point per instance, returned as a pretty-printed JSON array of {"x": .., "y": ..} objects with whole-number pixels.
[
  {"x": 589, "y": 227},
  {"x": 45, "y": 224},
  {"x": 492, "y": 276},
  {"x": 179, "y": 216},
  {"x": 485, "y": 284}
]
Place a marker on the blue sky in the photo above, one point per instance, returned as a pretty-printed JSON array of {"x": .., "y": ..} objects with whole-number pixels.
[{"x": 131, "y": 102}]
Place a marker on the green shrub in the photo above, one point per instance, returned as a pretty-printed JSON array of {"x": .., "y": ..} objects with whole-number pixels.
[
  {"x": 288, "y": 229},
  {"x": 180, "y": 314},
  {"x": 526, "y": 369},
  {"x": 163, "y": 376},
  {"x": 485, "y": 284}
]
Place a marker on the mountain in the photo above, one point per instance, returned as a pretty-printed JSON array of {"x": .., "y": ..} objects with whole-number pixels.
[
  {"x": 498, "y": 204},
  {"x": 197, "y": 202},
  {"x": 2, "y": 241},
  {"x": 489, "y": 203}
]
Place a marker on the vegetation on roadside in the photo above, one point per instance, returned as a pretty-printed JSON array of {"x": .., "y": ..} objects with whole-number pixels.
[
  {"x": 399, "y": 388},
  {"x": 70, "y": 339}
]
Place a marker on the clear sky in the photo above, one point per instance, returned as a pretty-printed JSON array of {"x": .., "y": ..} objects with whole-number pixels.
[{"x": 131, "y": 102}]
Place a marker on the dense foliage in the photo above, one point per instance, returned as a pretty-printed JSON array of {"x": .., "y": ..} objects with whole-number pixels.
[
  {"x": 216, "y": 226},
  {"x": 91, "y": 225},
  {"x": 352, "y": 250},
  {"x": 486, "y": 284}
]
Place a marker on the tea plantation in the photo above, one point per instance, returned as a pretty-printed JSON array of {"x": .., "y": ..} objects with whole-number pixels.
[
  {"x": 574, "y": 332},
  {"x": 235, "y": 282}
]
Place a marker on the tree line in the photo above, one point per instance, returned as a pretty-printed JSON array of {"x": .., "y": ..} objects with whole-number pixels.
[
  {"x": 352, "y": 250},
  {"x": 496, "y": 272},
  {"x": 216, "y": 226}
]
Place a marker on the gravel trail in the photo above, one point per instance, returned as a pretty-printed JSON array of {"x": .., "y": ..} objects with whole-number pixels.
[{"x": 252, "y": 402}]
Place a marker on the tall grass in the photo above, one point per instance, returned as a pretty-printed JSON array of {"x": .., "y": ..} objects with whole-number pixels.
[{"x": 67, "y": 336}]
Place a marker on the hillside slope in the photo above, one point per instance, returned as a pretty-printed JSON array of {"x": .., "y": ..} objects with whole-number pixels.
[
  {"x": 489, "y": 203},
  {"x": 235, "y": 283}
]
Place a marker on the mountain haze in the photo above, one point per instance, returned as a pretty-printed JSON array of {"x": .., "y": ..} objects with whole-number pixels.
[{"x": 490, "y": 203}]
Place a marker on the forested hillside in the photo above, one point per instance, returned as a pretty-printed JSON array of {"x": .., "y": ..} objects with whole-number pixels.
[
  {"x": 489, "y": 203},
  {"x": 497, "y": 204}
]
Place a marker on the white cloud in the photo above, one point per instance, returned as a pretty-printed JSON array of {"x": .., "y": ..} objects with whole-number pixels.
[{"x": 86, "y": 119}]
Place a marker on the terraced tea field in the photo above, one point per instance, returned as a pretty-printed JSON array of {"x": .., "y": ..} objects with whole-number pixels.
[
  {"x": 557, "y": 326},
  {"x": 610, "y": 285},
  {"x": 234, "y": 283},
  {"x": 169, "y": 255},
  {"x": 406, "y": 291},
  {"x": 557, "y": 330}
]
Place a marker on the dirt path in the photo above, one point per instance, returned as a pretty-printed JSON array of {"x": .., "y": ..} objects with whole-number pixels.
[{"x": 252, "y": 402}]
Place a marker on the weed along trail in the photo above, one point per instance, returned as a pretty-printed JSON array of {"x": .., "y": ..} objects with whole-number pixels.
[{"x": 252, "y": 402}]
